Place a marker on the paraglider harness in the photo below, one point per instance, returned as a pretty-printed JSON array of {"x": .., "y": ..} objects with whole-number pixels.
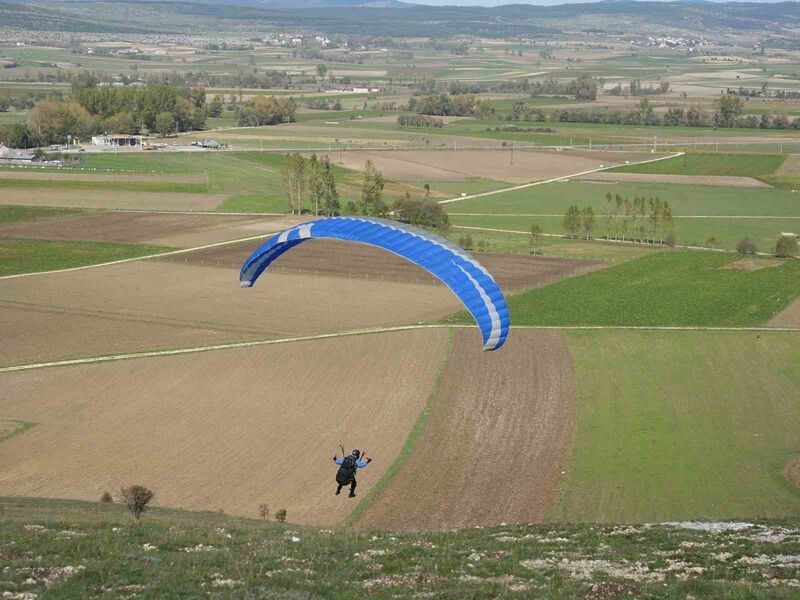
[{"x": 347, "y": 470}]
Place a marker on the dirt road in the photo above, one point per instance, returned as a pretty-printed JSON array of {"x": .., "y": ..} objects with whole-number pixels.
[
  {"x": 225, "y": 430},
  {"x": 495, "y": 443}
]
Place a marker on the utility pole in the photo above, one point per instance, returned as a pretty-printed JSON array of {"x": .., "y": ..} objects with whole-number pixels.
[{"x": 512, "y": 153}]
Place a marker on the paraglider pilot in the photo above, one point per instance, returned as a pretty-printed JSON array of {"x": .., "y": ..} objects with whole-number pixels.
[{"x": 347, "y": 471}]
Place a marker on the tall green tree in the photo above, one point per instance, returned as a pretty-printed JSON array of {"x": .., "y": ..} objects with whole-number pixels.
[
  {"x": 587, "y": 221},
  {"x": 316, "y": 184},
  {"x": 372, "y": 191},
  {"x": 330, "y": 195},
  {"x": 572, "y": 220},
  {"x": 536, "y": 238},
  {"x": 294, "y": 181}
]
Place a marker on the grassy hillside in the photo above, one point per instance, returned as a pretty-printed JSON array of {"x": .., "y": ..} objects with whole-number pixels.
[
  {"x": 30, "y": 256},
  {"x": 665, "y": 288},
  {"x": 61, "y": 549},
  {"x": 676, "y": 425}
]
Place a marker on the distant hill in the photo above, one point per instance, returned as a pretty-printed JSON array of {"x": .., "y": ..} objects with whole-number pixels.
[{"x": 395, "y": 18}]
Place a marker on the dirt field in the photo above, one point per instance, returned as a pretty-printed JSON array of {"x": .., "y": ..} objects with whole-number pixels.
[
  {"x": 148, "y": 305},
  {"x": 358, "y": 261},
  {"x": 788, "y": 317},
  {"x": 719, "y": 180},
  {"x": 792, "y": 471},
  {"x": 444, "y": 165},
  {"x": 220, "y": 430},
  {"x": 176, "y": 231},
  {"x": 495, "y": 443},
  {"x": 112, "y": 199},
  {"x": 69, "y": 175},
  {"x": 790, "y": 166}
]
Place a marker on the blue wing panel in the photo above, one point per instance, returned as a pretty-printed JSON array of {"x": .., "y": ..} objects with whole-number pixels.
[{"x": 467, "y": 278}]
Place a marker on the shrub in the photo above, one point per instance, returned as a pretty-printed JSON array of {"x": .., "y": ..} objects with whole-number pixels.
[
  {"x": 106, "y": 497},
  {"x": 670, "y": 240},
  {"x": 786, "y": 246},
  {"x": 280, "y": 516},
  {"x": 136, "y": 498},
  {"x": 746, "y": 246},
  {"x": 263, "y": 511},
  {"x": 465, "y": 242}
]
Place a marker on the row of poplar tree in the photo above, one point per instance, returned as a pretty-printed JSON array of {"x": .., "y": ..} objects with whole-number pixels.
[{"x": 641, "y": 219}]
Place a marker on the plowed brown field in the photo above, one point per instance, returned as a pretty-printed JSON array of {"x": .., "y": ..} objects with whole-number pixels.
[
  {"x": 110, "y": 199},
  {"x": 227, "y": 429},
  {"x": 152, "y": 305},
  {"x": 173, "y": 230},
  {"x": 495, "y": 442},
  {"x": 444, "y": 165},
  {"x": 788, "y": 317},
  {"x": 333, "y": 257}
]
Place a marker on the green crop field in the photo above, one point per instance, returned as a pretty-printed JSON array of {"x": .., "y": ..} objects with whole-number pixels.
[
  {"x": 70, "y": 549},
  {"x": 663, "y": 289},
  {"x": 190, "y": 188},
  {"x": 726, "y": 214},
  {"x": 31, "y": 256},
  {"x": 16, "y": 214},
  {"x": 680, "y": 425},
  {"x": 741, "y": 165}
]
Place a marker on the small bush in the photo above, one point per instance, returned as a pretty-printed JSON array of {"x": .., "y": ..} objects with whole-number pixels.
[
  {"x": 280, "y": 516},
  {"x": 106, "y": 497},
  {"x": 746, "y": 246},
  {"x": 786, "y": 246},
  {"x": 263, "y": 511},
  {"x": 136, "y": 498},
  {"x": 670, "y": 240},
  {"x": 465, "y": 242}
]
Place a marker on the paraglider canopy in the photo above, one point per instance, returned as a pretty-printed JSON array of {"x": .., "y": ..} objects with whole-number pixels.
[{"x": 464, "y": 275}]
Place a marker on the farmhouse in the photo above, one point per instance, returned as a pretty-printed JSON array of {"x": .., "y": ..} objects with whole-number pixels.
[
  {"x": 117, "y": 140},
  {"x": 10, "y": 156}
]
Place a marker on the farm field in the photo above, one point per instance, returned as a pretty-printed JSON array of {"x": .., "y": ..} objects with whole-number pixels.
[
  {"x": 30, "y": 255},
  {"x": 226, "y": 429},
  {"x": 739, "y": 165},
  {"x": 726, "y": 214},
  {"x": 665, "y": 421},
  {"x": 527, "y": 433},
  {"x": 154, "y": 305},
  {"x": 666, "y": 289},
  {"x": 163, "y": 229},
  {"x": 453, "y": 165}
]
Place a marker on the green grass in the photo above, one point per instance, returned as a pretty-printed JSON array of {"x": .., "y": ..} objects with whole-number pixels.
[
  {"x": 245, "y": 558},
  {"x": 740, "y": 165},
  {"x": 663, "y": 289},
  {"x": 31, "y": 256},
  {"x": 129, "y": 186},
  {"x": 413, "y": 436},
  {"x": 515, "y": 243},
  {"x": 18, "y": 214},
  {"x": 679, "y": 425},
  {"x": 19, "y": 427},
  {"x": 701, "y": 212},
  {"x": 254, "y": 203}
]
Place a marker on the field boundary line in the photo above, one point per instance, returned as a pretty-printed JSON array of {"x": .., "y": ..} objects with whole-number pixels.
[
  {"x": 209, "y": 348},
  {"x": 413, "y": 436},
  {"x": 562, "y": 178},
  {"x": 369, "y": 331},
  {"x": 146, "y": 257}
]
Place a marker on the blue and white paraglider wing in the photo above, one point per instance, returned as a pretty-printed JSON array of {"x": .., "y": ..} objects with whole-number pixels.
[{"x": 464, "y": 275}]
